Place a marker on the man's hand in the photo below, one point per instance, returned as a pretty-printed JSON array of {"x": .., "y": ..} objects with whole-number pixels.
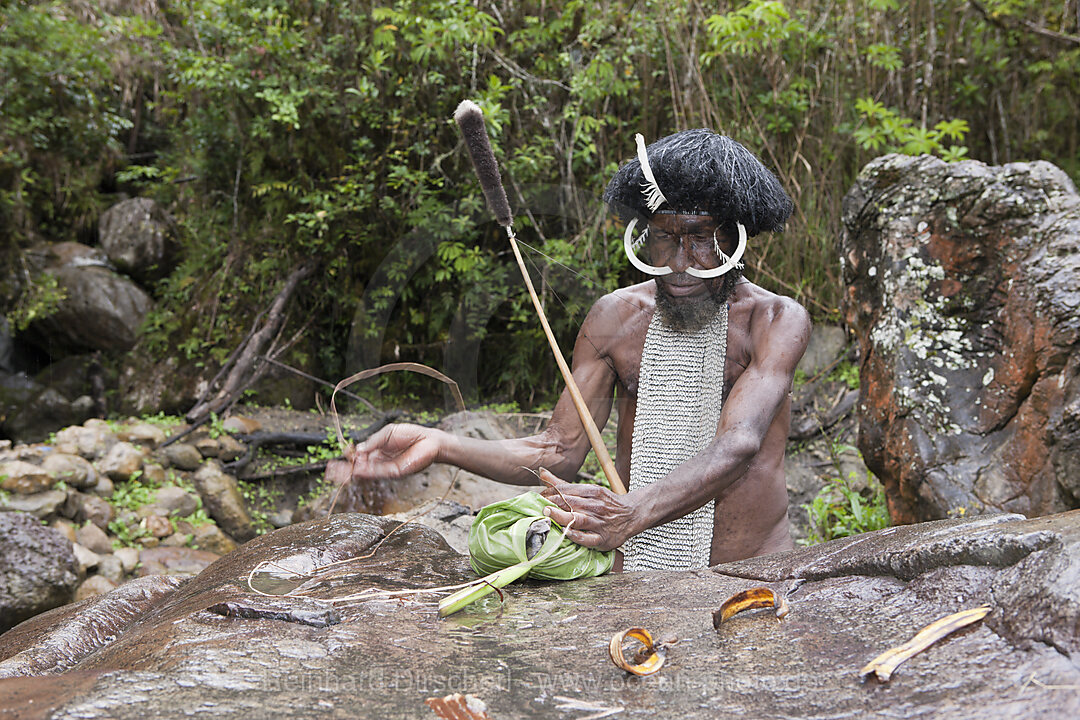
[
  {"x": 602, "y": 519},
  {"x": 394, "y": 451}
]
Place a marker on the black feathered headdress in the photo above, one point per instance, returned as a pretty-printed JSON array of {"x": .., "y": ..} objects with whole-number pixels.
[{"x": 701, "y": 171}]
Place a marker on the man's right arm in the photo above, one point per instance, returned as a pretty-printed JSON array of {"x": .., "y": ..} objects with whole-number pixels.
[{"x": 399, "y": 450}]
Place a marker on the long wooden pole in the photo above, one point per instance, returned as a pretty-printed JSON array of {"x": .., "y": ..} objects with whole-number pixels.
[{"x": 595, "y": 439}]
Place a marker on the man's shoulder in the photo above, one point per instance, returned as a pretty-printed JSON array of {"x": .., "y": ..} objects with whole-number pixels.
[
  {"x": 626, "y": 301},
  {"x": 770, "y": 312}
]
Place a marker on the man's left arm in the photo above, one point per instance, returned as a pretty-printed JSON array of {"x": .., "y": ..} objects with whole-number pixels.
[{"x": 604, "y": 520}]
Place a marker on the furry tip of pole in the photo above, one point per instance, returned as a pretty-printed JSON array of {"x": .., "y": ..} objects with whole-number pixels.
[{"x": 470, "y": 119}]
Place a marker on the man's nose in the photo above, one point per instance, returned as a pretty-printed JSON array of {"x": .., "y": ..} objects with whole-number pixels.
[{"x": 682, "y": 259}]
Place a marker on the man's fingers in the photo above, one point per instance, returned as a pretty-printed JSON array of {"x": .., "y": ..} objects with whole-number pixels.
[{"x": 585, "y": 539}]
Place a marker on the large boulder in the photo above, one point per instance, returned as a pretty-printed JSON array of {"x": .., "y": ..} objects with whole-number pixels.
[
  {"x": 37, "y": 568},
  {"x": 101, "y": 310},
  {"x": 963, "y": 289},
  {"x": 215, "y": 643},
  {"x": 139, "y": 238}
]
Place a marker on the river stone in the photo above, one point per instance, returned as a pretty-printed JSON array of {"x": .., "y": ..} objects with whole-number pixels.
[
  {"x": 208, "y": 447},
  {"x": 154, "y": 473},
  {"x": 96, "y": 510},
  {"x": 229, "y": 448},
  {"x": 93, "y": 538},
  {"x": 23, "y": 478},
  {"x": 183, "y": 456},
  {"x": 94, "y": 585},
  {"x": 210, "y": 537},
  {"x": 122, "y": 461},
  {"x": 158, "y": 526},
  {"x": 74, "y": 470},
  {"x": 139, "y": 238},
  {"x": 171, "y": 500},
  {"x": 85, "y": 558},
  {"x": 111, "y": 568},
  {"x": 64, "y": 527},
  {"x": 90, "y": 442},
  {"x": 545, "y": 645},
  {"x": 128, "y": 557},
  {"x": 174, "y": 561},
  {"x": 963, "y": 289},
  {"x": 143, "y": 434},
  {"x": 223, "y": 502},
  {"x": 38, "y": 570},
  {"x": 41, "y": 505}
]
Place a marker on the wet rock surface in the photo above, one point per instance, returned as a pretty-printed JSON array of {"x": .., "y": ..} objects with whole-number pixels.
[
  {"x": 964, "y": 290},
  {"x": 255, "y": 656}
]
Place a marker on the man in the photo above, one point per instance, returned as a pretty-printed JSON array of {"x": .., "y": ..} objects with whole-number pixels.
[{"x": 702, "y": 361}]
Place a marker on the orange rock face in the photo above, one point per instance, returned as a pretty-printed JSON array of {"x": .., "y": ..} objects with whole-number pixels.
[{"x": 963, "y": 288}]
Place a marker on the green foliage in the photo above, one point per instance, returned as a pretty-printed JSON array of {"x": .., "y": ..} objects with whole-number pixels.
[
  {"x": 886, "y": 131},
  {"x": 40, "y": 298},
  {"x": 261, "y": 501},
  {"x": 846, "y": 372},
  {"x": 282, "y": 133},
  {"x": 839, "y": 511}
]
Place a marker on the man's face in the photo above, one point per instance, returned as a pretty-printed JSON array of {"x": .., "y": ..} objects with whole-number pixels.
[{"x": 681, "y": 242}]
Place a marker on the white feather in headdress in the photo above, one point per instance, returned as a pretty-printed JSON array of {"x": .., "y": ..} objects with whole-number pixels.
[{"x": 653, "y": 197}]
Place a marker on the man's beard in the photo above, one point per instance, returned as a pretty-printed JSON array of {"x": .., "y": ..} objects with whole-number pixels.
[{"x": 690, "y": 313}]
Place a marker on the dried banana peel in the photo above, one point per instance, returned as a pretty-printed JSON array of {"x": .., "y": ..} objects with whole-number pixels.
[
  {"x": 883, "y": 665},
  {"x": 759, "y": 597},
  {"x": 648, "y": 659}
]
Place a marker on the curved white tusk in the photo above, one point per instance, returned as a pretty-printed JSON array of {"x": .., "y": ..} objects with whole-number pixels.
[
  {"x": 731, "y": 263},
  {"x": 628, "y": 245}
]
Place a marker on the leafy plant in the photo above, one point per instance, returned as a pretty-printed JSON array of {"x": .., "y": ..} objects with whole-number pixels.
[
  {"x": 261, "y": 501},
  {"x": 839, "y": 511}
]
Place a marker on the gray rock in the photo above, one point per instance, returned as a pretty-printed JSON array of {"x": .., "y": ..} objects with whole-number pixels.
[
  {"x": 94, "y": 538},
  {"x": 171, "y": 500},
  {"x": 209, "y": 537},
  {"x": 229, "y": 448},
  {"x": 30, "y": 411},
  {"x": 37, "y": 568},
  {"x": 102, "y": 311},
  {"x": 177, "y": 539},
  {"x": 963, "y": 289},
  {"x": 174, "y": 561},
  {"x": 122, "y": 461},
  {"x": 183, "y": 456},
  {"x": 128, "y": 557},
  {"x": 223, "y": 502},
  {"x": 93, "y": 586},
  {"x": 74, "y": 470},
  {"x": 281, "y": 518},
  {"x": 208, "y": 447},
  {"x": 41, "y": 505},
  {"x": 85, "y": 558},
  {"x": 827, "y": 344},
  {"x": 111, "y": 568},
  {"x": 861, "y": 596},
  {"x": 90, "y": 441},
  {"x": 142, "y": 434},
  {"x": 104, "y": 487},
  {"x": 23, "y": 478},
  {"x": 96, "y": 510},
  {"x": 154, "y": 473},
  {"x": 64, "y": 527},
  {"x": 139, "y": 238},
  {"x": 158, "y": 526}
]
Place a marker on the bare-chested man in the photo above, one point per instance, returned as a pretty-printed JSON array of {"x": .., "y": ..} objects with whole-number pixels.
[{"x": 723, "y": 444}]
